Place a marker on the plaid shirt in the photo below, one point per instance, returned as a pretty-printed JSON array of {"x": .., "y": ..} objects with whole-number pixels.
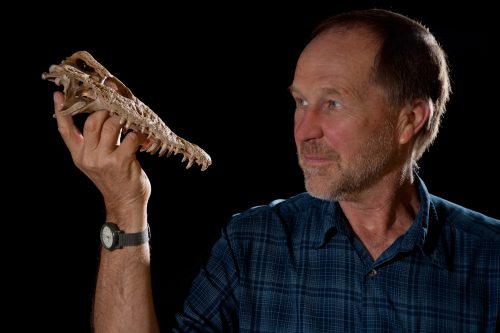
[{"x": 296, "y": 266}]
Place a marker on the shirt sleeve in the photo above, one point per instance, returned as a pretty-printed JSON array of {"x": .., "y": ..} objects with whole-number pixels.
[{"x": 212, "y": 302}]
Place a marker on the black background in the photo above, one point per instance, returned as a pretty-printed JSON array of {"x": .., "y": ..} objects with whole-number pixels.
[{"x": 218, "y": 77}]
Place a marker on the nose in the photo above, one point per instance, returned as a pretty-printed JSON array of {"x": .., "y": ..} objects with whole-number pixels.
[{"x": 307, "y": 124}]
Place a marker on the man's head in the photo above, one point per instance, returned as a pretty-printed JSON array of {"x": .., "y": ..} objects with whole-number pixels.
[
  {"x": 410, "y": 63},
  {"x": 371, "y": 88}
]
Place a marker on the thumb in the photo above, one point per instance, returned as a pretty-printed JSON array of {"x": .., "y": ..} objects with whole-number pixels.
[{"x": 70, "y": 133}]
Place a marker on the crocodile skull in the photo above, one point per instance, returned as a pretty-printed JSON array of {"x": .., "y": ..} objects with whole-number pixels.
[{"x": 90, "y": 87}]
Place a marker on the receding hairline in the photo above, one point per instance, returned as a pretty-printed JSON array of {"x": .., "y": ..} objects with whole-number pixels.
[{"x": 370, "y": 19}]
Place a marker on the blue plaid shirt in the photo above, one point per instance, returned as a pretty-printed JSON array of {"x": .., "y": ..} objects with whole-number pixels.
[{"x": 296, "y": 266}]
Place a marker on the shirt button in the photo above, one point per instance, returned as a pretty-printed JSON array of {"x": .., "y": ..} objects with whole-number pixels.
[{"x": 372, "y": 273}]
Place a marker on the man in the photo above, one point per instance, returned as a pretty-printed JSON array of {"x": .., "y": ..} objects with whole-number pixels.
[{"x": 366, "y": 249}]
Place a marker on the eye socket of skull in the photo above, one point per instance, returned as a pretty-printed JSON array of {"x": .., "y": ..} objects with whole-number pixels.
[{"x": 83, "y": 66}]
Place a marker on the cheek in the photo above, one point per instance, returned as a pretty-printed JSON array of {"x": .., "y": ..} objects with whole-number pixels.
[{"x": 340, "y": 137}]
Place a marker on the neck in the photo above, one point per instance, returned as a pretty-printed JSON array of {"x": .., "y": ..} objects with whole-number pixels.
[{"x": 383, "y": 213}]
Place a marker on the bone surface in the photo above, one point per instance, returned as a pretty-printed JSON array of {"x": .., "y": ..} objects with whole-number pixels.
[{"x": 90, "y": 87}]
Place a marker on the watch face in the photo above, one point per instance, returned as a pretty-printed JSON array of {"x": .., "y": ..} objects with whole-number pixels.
[{"x": 107, "y": 237}]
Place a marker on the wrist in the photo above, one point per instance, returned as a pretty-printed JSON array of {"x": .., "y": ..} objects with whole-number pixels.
[
  {"x": 112, "y": 237},
  {"x": 128, "y": 219}
]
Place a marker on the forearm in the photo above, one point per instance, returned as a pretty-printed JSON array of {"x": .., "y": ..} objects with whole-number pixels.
[{"x": 123, "y": 300}]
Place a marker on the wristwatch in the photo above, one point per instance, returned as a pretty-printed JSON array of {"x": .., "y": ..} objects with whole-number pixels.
[{"x": 113, "y": 238}]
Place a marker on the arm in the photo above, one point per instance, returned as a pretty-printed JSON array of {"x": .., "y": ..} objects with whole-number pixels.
[
  {"x": 123, "y": 298},
  {"x": 212, "y": 304}
]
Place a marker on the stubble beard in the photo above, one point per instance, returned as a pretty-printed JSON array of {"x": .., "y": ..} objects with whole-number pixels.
[{"x": 345, "y": 179}]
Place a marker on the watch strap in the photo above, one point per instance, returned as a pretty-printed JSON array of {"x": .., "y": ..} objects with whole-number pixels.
[{"x": 133, "y": 239}]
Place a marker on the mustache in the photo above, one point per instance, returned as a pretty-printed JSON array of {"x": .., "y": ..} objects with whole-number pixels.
[{"x": 316, "y": 148}]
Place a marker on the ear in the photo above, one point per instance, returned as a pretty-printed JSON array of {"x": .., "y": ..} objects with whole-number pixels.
[{"x": 412, "y": 118}]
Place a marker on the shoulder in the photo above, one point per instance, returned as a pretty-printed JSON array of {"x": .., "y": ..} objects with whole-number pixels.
[
  {"x": 278, "y": 214},
  {"x": 466, "y": 220}
]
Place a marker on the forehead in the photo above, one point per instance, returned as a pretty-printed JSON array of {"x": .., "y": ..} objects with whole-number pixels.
[{"x": 339, "y": 54}]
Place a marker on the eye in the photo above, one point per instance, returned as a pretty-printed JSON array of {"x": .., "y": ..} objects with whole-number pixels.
[
  {"x": 300, "y": 102},
  {"x": 333, "y": 105}
]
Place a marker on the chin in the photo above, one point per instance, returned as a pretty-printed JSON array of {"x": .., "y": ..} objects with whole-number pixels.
[
  {"x": 326, "y": 188},
  {"x": 319, "y": 195},
  {"x": 318, "y": 187}
]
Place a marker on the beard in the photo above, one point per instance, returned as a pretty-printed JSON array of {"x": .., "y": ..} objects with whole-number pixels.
[{"x": 345, "y": 178}]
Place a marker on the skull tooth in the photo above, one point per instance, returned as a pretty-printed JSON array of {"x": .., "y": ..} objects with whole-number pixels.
[
  {"x": 153, "y": 147},
  {"x": 164, "y": 147}
]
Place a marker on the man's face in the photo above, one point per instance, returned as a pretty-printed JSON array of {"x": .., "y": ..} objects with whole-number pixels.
[{"x": 345, "y": 138}]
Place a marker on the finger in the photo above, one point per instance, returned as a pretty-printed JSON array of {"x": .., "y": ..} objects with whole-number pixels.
[
  {"x": 92, "y": 129},
  {"x": 71, "y": 135},
  {"x": 131, "y": 143},
  {"x": 110, "y": 134}
]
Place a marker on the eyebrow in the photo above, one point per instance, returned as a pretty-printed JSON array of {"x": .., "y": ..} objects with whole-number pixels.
[{"x": 326, "y": 90}]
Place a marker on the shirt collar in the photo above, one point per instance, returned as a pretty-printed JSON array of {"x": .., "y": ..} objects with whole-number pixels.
[
  {"x": 332, "y": 221},
  {"x": 424, "y": 233},
  {"x": 432, "y": 243}
]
